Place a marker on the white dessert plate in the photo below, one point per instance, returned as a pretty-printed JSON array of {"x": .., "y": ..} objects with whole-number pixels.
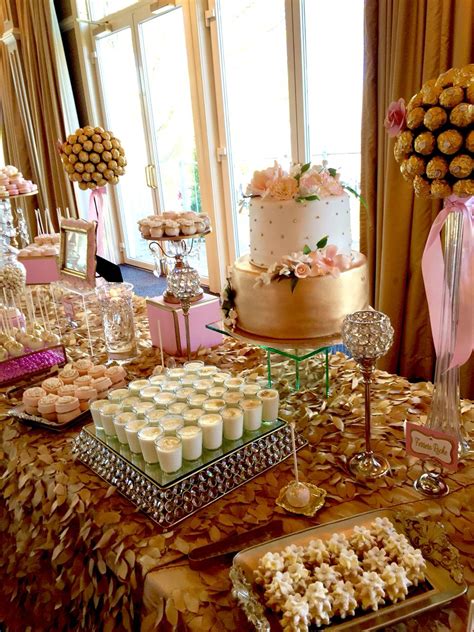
[{"x": 439, "y": 588}]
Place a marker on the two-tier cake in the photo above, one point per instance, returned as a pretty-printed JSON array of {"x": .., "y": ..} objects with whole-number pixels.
[{"x": 301, "y": 277}]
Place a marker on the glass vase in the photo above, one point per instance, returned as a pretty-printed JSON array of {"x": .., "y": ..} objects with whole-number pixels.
[
  {"x": 115, "y": 300},
  {"x": 445, "y": 414}
]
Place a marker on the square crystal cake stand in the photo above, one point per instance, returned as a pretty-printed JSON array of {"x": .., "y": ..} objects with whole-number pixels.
[{"x": 170, "y": 498}]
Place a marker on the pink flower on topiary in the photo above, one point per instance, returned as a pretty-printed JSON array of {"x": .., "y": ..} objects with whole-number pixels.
[{"x": 395, "y": 120}]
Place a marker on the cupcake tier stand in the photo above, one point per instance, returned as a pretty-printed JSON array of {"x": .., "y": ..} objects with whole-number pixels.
[{"x": 183, "y": 283}]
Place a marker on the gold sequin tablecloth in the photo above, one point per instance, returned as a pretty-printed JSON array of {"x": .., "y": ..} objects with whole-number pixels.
[{"x": 77, "y": 555}]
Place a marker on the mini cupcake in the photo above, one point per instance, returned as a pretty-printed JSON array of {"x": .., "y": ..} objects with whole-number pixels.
[
  {"x": 68, "y": 375},
  {"x": 190, "y": 215},
  {"x": 144, "y": 227},
  {"x": 115, "y": 373},
  {"x": 85, "y": 395},
  {"x": 51, "y": 385},
  {"x": 67, "y": 389},
  {"x": 200, "y": 225},
  {"x": 187, "y": 226},
  {"x": 67, "y": 408},
  {"x": 156, "y": 228},
  {"x": 97, "y": 371},
  {"x": 83, "y": 366},
  {"x": 47, "y": 407},
  {"x": 171, "y": 228},
  {"x": 170, "y": 215},
  {"x": 31, "y": 399}
]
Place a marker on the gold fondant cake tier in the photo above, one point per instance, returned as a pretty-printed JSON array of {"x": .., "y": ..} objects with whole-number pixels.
[{"x": 314, "y": 309}]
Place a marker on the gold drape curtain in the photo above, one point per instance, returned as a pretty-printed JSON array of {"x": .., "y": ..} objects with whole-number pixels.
[
  {"x": 407, "y": 42},
  {"x": 39, "y": 117}
]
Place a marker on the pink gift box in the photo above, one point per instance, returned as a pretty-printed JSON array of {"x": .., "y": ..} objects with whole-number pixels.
[
  {"x": 40, "y": 269},
  {"x": 173, "y": 332}
]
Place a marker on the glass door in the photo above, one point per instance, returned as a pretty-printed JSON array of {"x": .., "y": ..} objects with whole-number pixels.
[{"x": 144, "y": 81}]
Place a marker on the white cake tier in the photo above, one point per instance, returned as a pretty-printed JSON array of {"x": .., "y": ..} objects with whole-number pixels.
[{"x": 278, "y": 228}]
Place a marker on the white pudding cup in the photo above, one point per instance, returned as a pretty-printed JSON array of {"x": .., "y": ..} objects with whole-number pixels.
[
  {"x": 182, "y": 394},
  {"x": 175, "y": 374},
  {"x": 95, "y": 409},
  {"x": 217, "y": 392},
  {"x": 221, "y": 377},
  {"x": 178, "y": 408},
  {"x": 249, "y": 391},
  {"x": 163, "y": 400},
  {"x": 213, "y": 405},
  {"x": 153, "y": 416},
  {"x": 170, "y": 453},
  {"x": 233, "y": 419},
  {"x": 142, "y": 408},
  {"x": 120, "y": 421},
  {"x": 212, "y": 431},
  {"x": 192, "y": 415},
  {"x": 193, "y": 366},
  {"x": 197, "y": 400},
  {"x": 170, "y": 424},
  {"x": 131, "y": 430},
  {"x": 171, "y": 386},
  {"x": 117, "y": 396},
  {"x": 270, "y": 399},
  {"x": 128, "y": 403},
  {"x": 148, "y": 393},
  {"x": 158, "y": 380},
  {"x": 191, "y": 438},
  {"x": 203, "y": 385},
  {"x": 107, "y": 414},
  {"x": 136, "y": 386},
  {"x": 188, "y": 380},
  {"x": 147, "y": 437},
  {"x": 233, "y": 398},
  {"x": 234, "y": 383},
  {"x": 208, "y": 370},
  {"x": 252, "y": 414}
]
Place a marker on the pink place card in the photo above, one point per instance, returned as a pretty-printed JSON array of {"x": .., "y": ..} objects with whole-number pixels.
[{"x": 425, "y": 444}]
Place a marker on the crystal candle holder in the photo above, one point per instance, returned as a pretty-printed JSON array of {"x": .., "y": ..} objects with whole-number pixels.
[
  {"x": 115, "y": 300},
  {"x": 368, "y": 335}
]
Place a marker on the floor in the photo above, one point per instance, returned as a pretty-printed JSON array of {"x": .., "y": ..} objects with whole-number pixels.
[{"x": 145, "y": 283}]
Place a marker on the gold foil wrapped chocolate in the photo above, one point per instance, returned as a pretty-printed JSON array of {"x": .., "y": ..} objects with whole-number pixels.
[
  {"x": 437, "y": 167},
  {"x": 461, "y": 166},
  {"x": 415, "y": 166},
  {"x": 440, "y": 189},
  {"x": 450, "y": 97},
  {"x": 470, "y": 141},
  {"x": 470, "y": 92},
  {"x": 422, "y": 187},
  {"x": 435, "y": 118},
  {"x": 462, "y": 115},
  {"x": 415, "y": 101},
  {"x": 403, "y": 146},
  {"x": 425, "y": 143},
  {"x": 430, "y": 93},
  {"x": 464, "y": 187},
  {"x": 415, "y": 118},
  {"x": 407, "y": 175},
  {"x": 446, "y": 78},
  {"x": 449, "y": 142}
]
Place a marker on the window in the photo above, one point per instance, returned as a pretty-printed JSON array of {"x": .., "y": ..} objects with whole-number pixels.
[{"x": 277, "y": 85}]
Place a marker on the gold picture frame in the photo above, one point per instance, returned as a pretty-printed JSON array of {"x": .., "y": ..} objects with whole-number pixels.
[{"x": 77, "y": 263}]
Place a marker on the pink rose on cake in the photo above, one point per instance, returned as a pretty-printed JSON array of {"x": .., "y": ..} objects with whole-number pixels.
[
  {"x": 320, "y": 183},
  {"x": 284, "y": 188},
  {"x": 302, "y": 270},
  {"x": 262, "y": 180}
]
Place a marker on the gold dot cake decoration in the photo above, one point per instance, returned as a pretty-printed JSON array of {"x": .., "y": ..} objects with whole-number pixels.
[
  {"x": 434, "y": 133},
  {"x": 93, "y": 157}
]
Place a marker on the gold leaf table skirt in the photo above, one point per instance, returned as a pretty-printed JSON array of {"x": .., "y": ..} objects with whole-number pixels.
[{"x": 76, "y": 555}]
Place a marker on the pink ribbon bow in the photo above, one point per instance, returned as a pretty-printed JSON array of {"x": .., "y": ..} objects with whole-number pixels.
[
  {"x": 432, "y": 265},
  {"x": 96, "y": 207}
]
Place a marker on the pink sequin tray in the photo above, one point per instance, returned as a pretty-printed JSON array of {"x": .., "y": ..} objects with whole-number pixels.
[{"x": 14, "y": 369}]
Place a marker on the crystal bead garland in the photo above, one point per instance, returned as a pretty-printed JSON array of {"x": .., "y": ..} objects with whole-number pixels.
[{"x": 445, "y": 413}]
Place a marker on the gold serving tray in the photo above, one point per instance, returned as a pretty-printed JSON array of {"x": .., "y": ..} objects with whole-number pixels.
[{"x": 443, "y": 583}]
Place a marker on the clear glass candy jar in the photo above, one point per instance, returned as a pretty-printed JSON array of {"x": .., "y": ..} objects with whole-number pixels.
[{"x": 12, "y": 275}]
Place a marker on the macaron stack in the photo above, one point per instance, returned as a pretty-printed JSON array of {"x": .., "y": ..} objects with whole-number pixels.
[
  {"x": 62, "y": 398},
  {"x": 13, "y": 183}
]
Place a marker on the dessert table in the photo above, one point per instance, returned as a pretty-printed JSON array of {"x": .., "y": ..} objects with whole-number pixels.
[{"x": 76, "y": 554}]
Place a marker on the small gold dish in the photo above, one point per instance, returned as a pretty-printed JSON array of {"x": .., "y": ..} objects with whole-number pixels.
[{"x": 316, "y": 500}]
